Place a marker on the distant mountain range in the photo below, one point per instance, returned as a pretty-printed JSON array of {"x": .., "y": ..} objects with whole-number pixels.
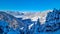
[{"x": 31, "y": 15}]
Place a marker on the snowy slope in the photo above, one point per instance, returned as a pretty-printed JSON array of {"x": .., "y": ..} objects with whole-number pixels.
[
  {"x": 47, "y": 22},
  {"x": 31, "y": 15}
]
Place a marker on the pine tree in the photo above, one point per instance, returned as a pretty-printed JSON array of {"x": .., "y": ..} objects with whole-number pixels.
[
  {"x": 37, "y": 27},
  {"x": 52, "y": 20}
]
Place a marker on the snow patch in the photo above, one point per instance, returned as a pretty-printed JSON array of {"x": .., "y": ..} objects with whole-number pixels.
[{"x": 29, "y": 27}]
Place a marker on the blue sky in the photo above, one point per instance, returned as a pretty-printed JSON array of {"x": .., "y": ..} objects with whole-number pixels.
[{"x": 29, "y": 4}]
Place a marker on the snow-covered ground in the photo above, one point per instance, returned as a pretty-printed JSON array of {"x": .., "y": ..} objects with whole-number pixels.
[{"x": 31, "y": 15}]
